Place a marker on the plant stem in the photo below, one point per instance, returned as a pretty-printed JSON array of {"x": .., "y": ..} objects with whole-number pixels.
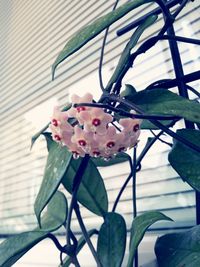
[
  {"x": 56, "y": 242},
  {"x": 75, "y": 261},
  {"x": 170, "y": 83},
  {"x": 161, "y": 140},
  {"x": 127, "y": 114},
  {"x": 179, "y": 9},
  {"x": 75, "y": 187},
  {"x": 155, "y": 122},
  {"x": 193, "y": 90},
  {"x": 134, "y": 164},
  {"x": 85, "y": 234},
  {"x": 134, "y": 182},
  {"x": 139, "y": 160}
]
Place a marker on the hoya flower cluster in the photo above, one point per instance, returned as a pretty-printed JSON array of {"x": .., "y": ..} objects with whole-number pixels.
[{"x": 94, "y": 131}]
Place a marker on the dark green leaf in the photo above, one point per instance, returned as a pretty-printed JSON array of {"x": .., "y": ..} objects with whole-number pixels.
[
  {"x": 81, "y": 243},
  {"x": 124, "y": 63},
  {"x": 185, "y": 160},
  {"x": 138, "y": 229},
  {"x": 49, "y": 139},
  {"x": 15, "y": 247},
  {"x": 36, "y": 136},
  {"x": 88, "y": 32},
  {"x": 112, "y": 240},
  {"x": 179, "y": 249},
  {"x": 52, "y": 219},
  {"x": 148, "y": 125},
  {"x": 128, "y": 92},
  {"x": 57, "y": 163},
  {"x": 119, "y": 158},
  {"x": 164, "y": 102},
  {"x": 91, "y": 193}
]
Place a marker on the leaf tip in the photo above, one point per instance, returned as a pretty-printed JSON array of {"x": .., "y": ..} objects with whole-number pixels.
[{"x": 53, "y": 72}]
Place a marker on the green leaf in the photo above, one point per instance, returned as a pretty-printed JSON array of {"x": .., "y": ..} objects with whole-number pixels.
[
  {"x": 124, "y": 63},
  {"x": 49, "y": 139},
  {"x": 13, "y": 248},
  {"x": 138, "y": 229},
  {"x": 57, "y": 163},
  {"x": 81, "y": 243},
  {"x": 91, "y": 193},
  {"x": 112, "y": 240},
  {"x": 128, "y": 92},
  {"x": 52, "y": 219},
  {"x": 88, "y": 32},
  {"x": 119, "y": 158},
  {"x": 185, "y": 160},
  {"x": 164, "y": 102},
  {"x": 148, "y": 125},
  {"x": 179, "y": 249},
  {"x": 36, "y": 136}
]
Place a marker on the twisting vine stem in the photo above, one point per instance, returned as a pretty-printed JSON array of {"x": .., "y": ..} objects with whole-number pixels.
[
  {"x": 134, "y": 166},
  {"x": 76, "y": 183},
  {"x": 161, "y": 140},
  {"x": 138, "y": 163},
  {"x": 128, "y": 114},
  {"x": 85, "y": 234},
  {"x": 129, "y": 104}
]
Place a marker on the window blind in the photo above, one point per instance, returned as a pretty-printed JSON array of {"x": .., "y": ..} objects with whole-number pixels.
[{"x": 32, "y": 34}]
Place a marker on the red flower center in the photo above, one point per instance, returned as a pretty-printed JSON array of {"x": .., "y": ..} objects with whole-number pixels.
[
  {"x": 110, "y": 144},
  {"x": 96, "y": 122},
  {"x": 57, "y": 137},
  {"x": 54, "y": 122},
  {"x": 82, "y": 142},
  {"x": 79, "y": 109},
  {"x": 136, "y": 127}
]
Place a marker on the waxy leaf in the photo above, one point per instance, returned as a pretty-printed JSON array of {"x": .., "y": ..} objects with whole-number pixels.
[
  {"x": 128, "y": 92},
  {"x": 37, "y": 135},
  {"x": 119, "y": 158},
  {"x": 81, "y": 243},
  {"x": 91, "y": 193},
  {"x": 13, "y": 248},
  {"x": 52, "y": 218},
  {"x": 179, "y": 249},
  {"x": 164, "y": 102},
  {"x": 139, "y": 226},
  {"x": 112, "y": 240},
  {"x": 57, "y": 163},
  {"x": 186, "y": 161},
  {"x": 124, "y": 63},
  {"x": 88, "y": 32}
]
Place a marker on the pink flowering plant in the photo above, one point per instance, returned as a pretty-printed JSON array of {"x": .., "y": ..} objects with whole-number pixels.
[
  {"x": 95, "y": 131},
  {"x": 90, "y": 133}
]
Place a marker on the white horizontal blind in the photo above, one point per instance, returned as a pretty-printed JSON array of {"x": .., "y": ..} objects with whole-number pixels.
[{"x": 32, "y": 34}]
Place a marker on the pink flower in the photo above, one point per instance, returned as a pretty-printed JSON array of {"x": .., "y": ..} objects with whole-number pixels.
[
  {"x": 96, "y": 120},
  {"x": 130, "y": 126},
  {"x": 76, "y": 150},
  {"x": 75, "y": 112},
  {"x": 131, "y": 130},
  {"x": 61, "y": 129},
  {"x": 110, "y": 142},
  {"x": 82, "y": 138},
  {"x": 94, "y": 135}
]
